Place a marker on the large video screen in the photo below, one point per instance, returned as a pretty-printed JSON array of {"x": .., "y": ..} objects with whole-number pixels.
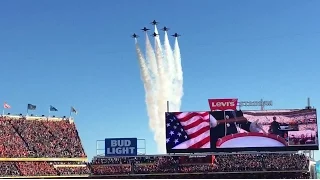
[{"x": 225, "y": 131}]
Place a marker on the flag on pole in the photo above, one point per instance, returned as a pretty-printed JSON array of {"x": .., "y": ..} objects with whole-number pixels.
[
  {"x": 53, "y": 108},
  {"x": 73, "y": 110},
  {"x": 6, "y": 106},
  {"x": 32, "y": 107}
]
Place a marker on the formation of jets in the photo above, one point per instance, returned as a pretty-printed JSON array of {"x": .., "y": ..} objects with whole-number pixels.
[{"x": 154, "y": 22}]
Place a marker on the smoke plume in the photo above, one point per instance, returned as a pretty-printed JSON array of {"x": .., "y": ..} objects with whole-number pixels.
[
  {"x": 179, "y": 72},
  {"x": 147, "y": 82},
  {"x": 162, "y": 77}
]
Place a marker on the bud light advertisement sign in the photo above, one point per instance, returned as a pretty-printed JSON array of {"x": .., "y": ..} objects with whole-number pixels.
[{"x": 121, "y": 147}]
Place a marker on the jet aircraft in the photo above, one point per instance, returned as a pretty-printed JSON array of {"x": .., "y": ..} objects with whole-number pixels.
[
  {"x": 134, "y": 35},
  {"x": 165, "y": 29},
  {"x": 176, "y": 35},
  {"x": 154, "y": 22},
  {"x": 145, "y": 29}
]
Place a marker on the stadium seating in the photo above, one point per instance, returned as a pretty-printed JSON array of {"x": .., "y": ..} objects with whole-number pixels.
[
  {"x": 58, "y": 139},
  {"x": 187, "y": 170},
  {"x": 23, "y": 140},
  {"x": 42, "y": 168},
  {"x": 228, "y": 163},
  {"x": 273, "y": 175},
  {"x": 8, "y": 169},
  {"x": 83, "y": 170}
]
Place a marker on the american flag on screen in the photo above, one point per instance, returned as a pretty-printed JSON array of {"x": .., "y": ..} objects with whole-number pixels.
[{"x": 187, "y": 130}]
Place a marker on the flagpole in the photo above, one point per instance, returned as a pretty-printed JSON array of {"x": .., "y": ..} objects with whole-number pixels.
[
  {"x": 3, "y": 109},
  {"x": 49, "y": 112}
]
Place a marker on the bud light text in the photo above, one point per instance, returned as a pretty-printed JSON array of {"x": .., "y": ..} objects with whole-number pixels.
[{"x": 121, "y": 147}]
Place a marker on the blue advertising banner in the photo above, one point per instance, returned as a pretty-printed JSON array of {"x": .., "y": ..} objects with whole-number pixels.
[{"x": 121, "y": 147}]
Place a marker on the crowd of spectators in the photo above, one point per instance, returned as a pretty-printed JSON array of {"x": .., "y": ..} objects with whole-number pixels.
[
  {"x": 36, "y": 169},
  {"x": 39, "y": 138},
  {"x": 240, "y": 162},
  {"x": 22, "y": 138},
  {"x": 67, "y": 171},
  {"x": 42, "y": 168},
  {"x": 110, "y": 170},
  {"x": 273, "y": 175},
  {"x": 67, "y": 163},
  {"x": 255, "y": 165},
  {"x": 8, "y": 169},
  {"x": 286, "y": 162},
  {"x": 205, "y": 164},
  {"x": 11, "y": 144}
]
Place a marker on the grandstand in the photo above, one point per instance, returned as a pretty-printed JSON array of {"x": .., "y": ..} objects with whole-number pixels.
[
  {"x": 37, "y": 147},
  {"x": 231, "y": 165},
  {"x": 42, "y": 147}
]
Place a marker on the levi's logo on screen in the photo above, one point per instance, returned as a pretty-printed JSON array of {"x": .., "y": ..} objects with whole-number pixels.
[{"x": 223, "y": 104}]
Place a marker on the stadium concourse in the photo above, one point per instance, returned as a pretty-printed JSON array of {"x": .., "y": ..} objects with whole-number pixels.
[{"x": 40, "y": 147}]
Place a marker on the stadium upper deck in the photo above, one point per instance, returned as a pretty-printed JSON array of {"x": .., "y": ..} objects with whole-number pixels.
[
  {"x": 40, "y": 146},
  {"x": 39, "y": 137}
]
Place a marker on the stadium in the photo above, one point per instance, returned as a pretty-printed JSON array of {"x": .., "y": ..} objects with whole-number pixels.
[
  {"x": 221, "y": 142},
  {"x": 50, "y": 147}
]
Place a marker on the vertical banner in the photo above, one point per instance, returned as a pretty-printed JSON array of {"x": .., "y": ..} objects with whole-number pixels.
[
  {"x": 223, "y": 104},
  {"x": 121, "y": 147}
]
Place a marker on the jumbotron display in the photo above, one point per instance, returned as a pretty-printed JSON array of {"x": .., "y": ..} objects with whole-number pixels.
[{"x": 236, "y": 130}]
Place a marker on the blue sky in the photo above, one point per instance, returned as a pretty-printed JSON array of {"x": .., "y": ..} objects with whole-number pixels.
[{"x": 79, "y": 52}]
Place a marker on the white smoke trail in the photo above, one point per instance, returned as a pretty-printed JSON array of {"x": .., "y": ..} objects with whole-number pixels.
[
  {"x": 147, "y": 82},
  {"x": 171, "y": 71},
  {"x": 162, "y": 98},
  {"x": 157, "y": 38},
  {"x": 153, "y": 91},
  {"x": 179, "y": 73},
  {"x": 162, "y": 76},
  {"x": 151, "y": 61},
  {"x": 158, "y": 43}
]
